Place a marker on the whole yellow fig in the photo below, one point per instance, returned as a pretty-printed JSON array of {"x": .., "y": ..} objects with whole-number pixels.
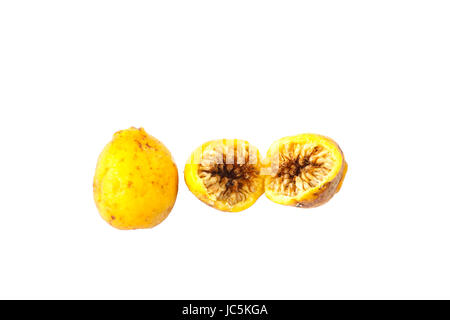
[{"x": 136, "y": 181}]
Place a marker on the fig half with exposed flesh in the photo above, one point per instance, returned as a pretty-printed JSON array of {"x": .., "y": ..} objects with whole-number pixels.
[{"x": 225, "y": 174}]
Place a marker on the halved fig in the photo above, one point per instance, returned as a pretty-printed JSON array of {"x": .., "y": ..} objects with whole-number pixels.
[
  {"x": 305, "y": 170},
  {"x": 225, "y": 174}
]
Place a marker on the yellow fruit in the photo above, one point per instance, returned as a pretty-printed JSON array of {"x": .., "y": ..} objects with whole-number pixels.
[
  {"x": 136, "y": 181},
  {"x": 225, "y": 174},
  {"x": 304, "y": 170}
]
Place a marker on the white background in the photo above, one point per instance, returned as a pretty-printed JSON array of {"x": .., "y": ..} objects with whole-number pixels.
[{"x": 373, "y": 75}]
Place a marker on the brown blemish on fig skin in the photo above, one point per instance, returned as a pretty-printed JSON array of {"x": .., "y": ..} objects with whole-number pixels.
[
  {"x": 139, "y": 144},
  {"x": 112, "y": 217},
  {"x": 130, "y": 183}
]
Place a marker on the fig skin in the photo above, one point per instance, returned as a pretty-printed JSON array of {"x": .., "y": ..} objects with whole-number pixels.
[
  {"x": 315, "y": 196},
  {"x": 196, "y": 185},
  {"x": 136, "y": 181}
]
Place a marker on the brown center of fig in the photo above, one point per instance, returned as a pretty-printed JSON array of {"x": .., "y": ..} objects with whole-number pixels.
[
  {"x": 228, "y": 174},
  {"x": 300, "y": 167}
]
